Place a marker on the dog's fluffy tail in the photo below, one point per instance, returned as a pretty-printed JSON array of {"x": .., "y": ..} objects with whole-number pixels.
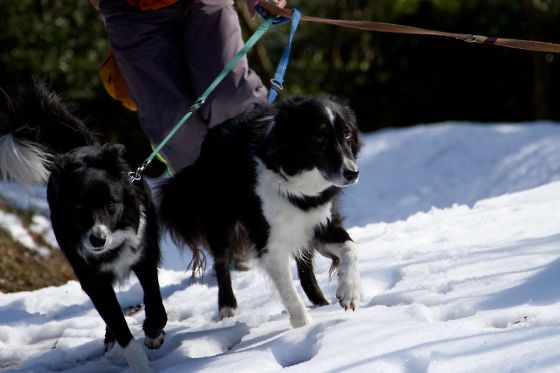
[
  {"x": 23, "y": 161},
  {"x": 35, "y": 126}
]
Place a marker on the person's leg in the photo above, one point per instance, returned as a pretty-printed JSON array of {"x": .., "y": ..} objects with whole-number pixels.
[
  {"x": 148, "y": 49},
  {"x": 212, "y": 37}
]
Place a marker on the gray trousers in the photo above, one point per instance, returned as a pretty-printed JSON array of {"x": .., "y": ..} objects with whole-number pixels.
[{"x": 169, "y": 56}]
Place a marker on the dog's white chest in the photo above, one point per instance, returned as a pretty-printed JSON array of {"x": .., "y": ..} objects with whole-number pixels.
[
  {"x": 291, "y": 228},
  {"x": 122, "y": 264},
  {"x": 129, "y": 246}
]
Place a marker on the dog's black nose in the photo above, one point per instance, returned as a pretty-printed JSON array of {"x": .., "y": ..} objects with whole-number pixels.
[
  {"x": 351, "y": 174},
  {"x": 96, "y": 241}
]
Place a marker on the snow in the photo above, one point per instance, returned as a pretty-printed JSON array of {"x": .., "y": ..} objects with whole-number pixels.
[
  {"x": 458, "y": 232},
  {"x": 410, "y": 170},
  {"x": 27, "y": 198},
  {"x": 13, "y": 225}
]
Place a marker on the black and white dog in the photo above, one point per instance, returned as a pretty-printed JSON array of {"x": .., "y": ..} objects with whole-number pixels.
[
  {"x": 105, "y": 225},
  {"x": 269, "y": 180}
]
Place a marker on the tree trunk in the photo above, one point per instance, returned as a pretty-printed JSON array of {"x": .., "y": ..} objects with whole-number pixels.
[{"x": 541, "y": 68}]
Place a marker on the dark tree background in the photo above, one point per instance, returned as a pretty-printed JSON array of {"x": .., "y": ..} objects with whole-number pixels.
[{"x": 390, "y": 80}]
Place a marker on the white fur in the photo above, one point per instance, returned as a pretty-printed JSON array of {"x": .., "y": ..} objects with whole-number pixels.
[
  {"x": 270, "y": 124},
  {"x": 154, "y": 343},
  {"x": 290, "y": 225},
  {"x": 113, "y": 239},
  {"x": 306, "y": 183},
  {"x": 226, "y": 312},
  {"x": 129, "y": 254},
  {"x": 330, "y": 114},
  {"x": 348, "y": 291},
  {"x": 136, "y": 357},
  {"x": 122, "y": 264},
  {"x": 23, "y": 161},
  {"x": 339, "y": 180},
  {"x": 291, "y": 230},
  {"x": 277, "y": 265}
]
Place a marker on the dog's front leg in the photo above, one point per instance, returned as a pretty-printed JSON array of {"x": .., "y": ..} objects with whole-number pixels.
[
  {"x": 105, "y": 301},
  {"x": 156, "y": 317},
  {"x": 335, "y": 243},
  {"x": 275, "y": 260}
]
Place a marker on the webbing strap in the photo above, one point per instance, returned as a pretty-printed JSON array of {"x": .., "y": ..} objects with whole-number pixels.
[
  {"x": 278, "y": 80},
  {"x": 137, "y": 175},
  {"x": 535, "y": 46}
]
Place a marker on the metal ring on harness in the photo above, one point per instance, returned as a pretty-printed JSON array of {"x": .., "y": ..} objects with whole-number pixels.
[{"x": 137, "y": 175}]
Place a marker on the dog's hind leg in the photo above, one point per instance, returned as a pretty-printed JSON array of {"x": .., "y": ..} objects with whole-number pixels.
[
  {"x": 335, "y": 243},
  {"x": 156, "y": 317},
  {"x": 226, "y": 299},
  {"x": 307, "y": 279}
]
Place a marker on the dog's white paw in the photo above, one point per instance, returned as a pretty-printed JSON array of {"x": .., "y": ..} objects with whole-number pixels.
[
  {"x": 154, "y": 343},
  {"x": 300, "y": 319},
  {"x": 137, "y": 358},
  {"x": 226, "y": 312},
  {"x": 348, "y": 291}
]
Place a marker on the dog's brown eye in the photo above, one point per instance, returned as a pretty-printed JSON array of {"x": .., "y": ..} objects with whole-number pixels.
[
  {"x": 78, "y": 206},
  {"x": 347, "y": 135}
]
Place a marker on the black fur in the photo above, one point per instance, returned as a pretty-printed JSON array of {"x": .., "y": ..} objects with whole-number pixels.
[
  {"x": 36, "y": 114},
  {"x": 210, "y": 202},
  {"x": 93, "y": 205}
]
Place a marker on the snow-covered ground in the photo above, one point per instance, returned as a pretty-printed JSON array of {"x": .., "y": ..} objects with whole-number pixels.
[
  {"x": 470, "y": 285},
  {"x": 410, "y": 170}
]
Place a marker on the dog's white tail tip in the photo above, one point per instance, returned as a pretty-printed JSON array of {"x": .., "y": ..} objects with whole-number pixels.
[{"x": 23, "y": 161}]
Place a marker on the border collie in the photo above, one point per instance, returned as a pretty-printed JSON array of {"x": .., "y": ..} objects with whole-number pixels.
[
  {"x": 269, "y": 180},
  {"x": 105, "y": 225}
]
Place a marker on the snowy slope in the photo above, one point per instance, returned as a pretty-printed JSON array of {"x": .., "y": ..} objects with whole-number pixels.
[
  {"x": 458, "y": 289},
  {"x": 411, "y": 170}
]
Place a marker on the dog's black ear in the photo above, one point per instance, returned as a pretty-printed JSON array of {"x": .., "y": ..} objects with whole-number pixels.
[
  {"x": 66, "y": 164},
  {"x": 342, "y": 101},
  {"x": 62, "y": 168},
  {"x": 292, "y": 101},
  {"x": 349, "y": 117},
  {"x": 345, "y": 109},
  {"x": 270, "y": 145},
  {"x": 112, "y": 158},
  {"x": 113, "y": 152}
]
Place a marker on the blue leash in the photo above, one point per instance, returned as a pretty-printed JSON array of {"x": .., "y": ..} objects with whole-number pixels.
[{"x": 278, "y": 80}]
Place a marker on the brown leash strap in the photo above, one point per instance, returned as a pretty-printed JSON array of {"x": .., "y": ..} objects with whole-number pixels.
[{"x": 535, "y": 46}]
